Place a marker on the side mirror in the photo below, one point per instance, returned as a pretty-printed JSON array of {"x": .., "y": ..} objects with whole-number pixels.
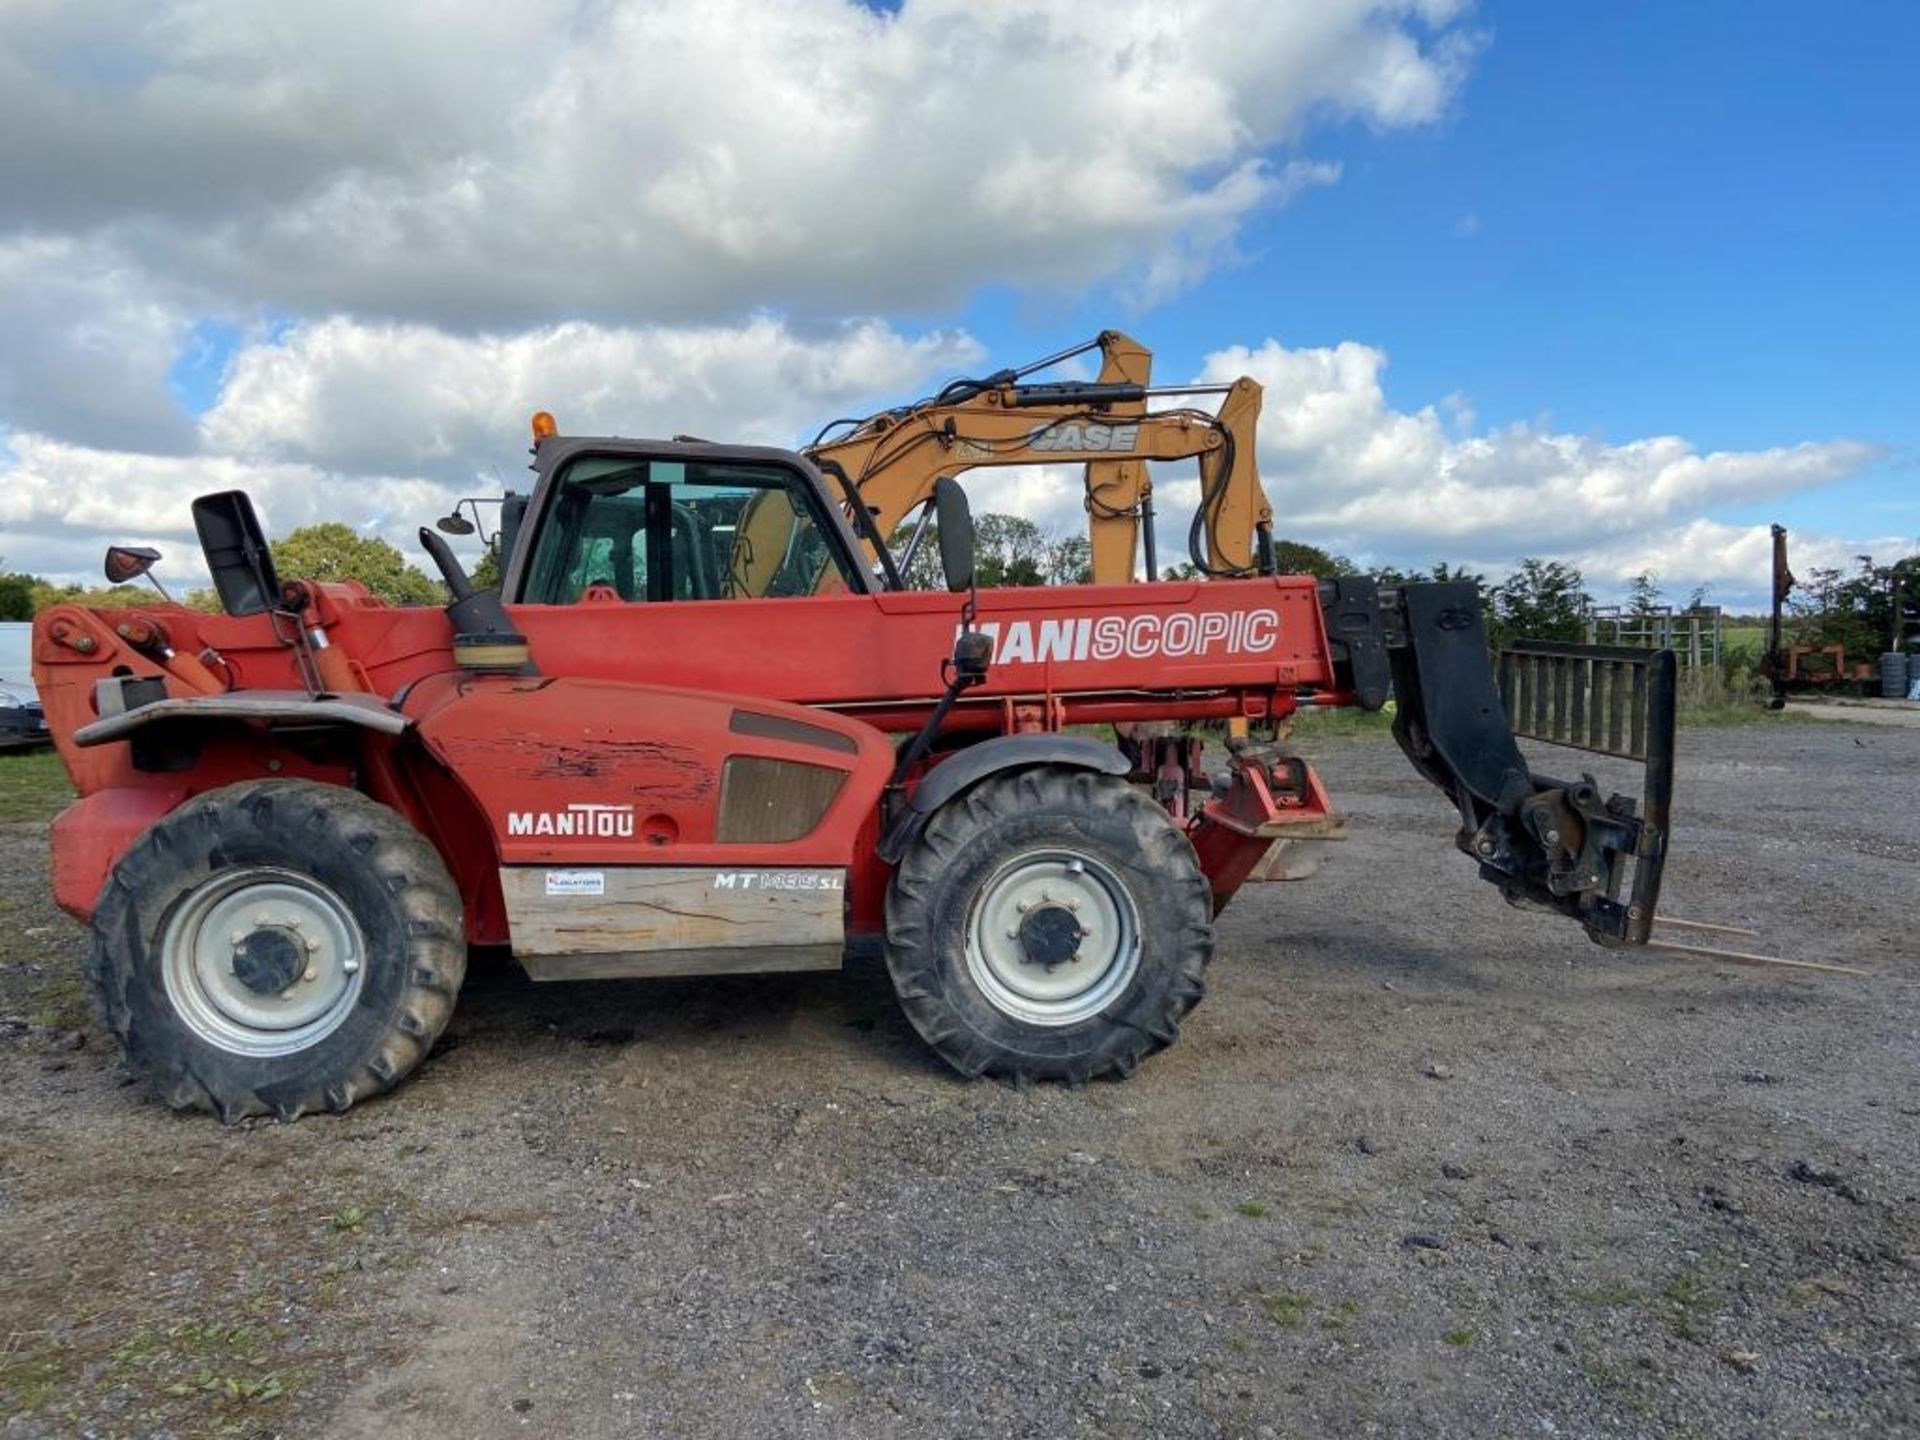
[
  {"x": 236, "y": 551},
  {"x": 129, "y": 562},
  {"x": 972, "y": 656},
  {"x": 954, "y": 521}
]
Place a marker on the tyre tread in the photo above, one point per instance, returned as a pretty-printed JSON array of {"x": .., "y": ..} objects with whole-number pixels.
[
  {"x": 916, "y": 889},
  {"x": 411, "y": 870}
]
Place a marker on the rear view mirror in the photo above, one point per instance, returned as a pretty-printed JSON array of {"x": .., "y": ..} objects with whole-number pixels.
[
  {"x": 953, "y": 520},
  {"x": 236, "y": 551},
  {"x": 126, "y": 563}
]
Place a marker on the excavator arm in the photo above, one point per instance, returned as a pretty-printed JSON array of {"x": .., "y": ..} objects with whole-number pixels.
[{"x": 892, "y": 460}]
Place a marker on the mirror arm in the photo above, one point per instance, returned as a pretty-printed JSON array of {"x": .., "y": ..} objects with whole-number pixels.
[{"x": 972, "y": 656}]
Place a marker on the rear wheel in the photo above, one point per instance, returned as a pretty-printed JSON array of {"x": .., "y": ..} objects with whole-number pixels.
[
  {"x": 1049, "y": 924},
  {"x": 277, "y": 947}
]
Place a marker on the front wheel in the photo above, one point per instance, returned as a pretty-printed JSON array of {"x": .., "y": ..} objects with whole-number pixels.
[
  {"x": 277, "y": 947},
  {"x": 1049, "y": 924}
]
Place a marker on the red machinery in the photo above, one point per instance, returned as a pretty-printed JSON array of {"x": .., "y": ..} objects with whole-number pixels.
[{"x": 671, "y": 749}]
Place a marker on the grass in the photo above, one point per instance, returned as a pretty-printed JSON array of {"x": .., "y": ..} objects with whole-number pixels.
[
  {"x": 1286, "y": 1308},
  {"x": 1343, "y": 1314},
  {"x": 1685, "y": 1303},
  {"x": 43, "y": 982},
  {"x": 348, "y": 1220},
  {"x": 1252, "y": 1209},
  {"x": 33, "y": 785},
  {"x": 1320, "y": 722},
  {"x": 1744, "y": 642},
  {"x": 224, "y": 1364},
  {"x": 206, "y": 1372},
  {"x": 1732, "y": 694},
  {"x": 1458, "y": 1338},
  {"x": 31, "y": 1381}
]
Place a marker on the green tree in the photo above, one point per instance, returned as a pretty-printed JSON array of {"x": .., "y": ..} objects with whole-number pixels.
[
  {"x": 332, "y": 551},
  {"x": 1643, "y": 594},
  {"x": 1854, "y": 608},
  {"x": 1009, "y": 550},
  {"x": 1295, "y": 557},
  {"x": 1069, "y": 561},
  {"x": 486, "y": 570},
  {"x": 1443, "y": 571},
  {"x": 1388, "y": 575},
  {"x": 1542, "y": 600},
  {"x": 923, "y": 571},
  {"x": 17, "y": 595},
  {"x": 105, "y": 597}
]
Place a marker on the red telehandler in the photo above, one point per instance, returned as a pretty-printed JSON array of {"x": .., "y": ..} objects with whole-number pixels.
[{"x": 700, "y": 728}]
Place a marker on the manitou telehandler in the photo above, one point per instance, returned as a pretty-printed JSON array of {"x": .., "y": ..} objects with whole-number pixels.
[{"x": 701, "y": 729}]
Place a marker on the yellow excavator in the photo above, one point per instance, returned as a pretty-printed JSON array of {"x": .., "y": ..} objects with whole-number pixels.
[{"x": 887, "y": 464}]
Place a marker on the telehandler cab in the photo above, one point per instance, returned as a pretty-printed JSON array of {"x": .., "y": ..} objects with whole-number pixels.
[{"x": 697, "y": 731}]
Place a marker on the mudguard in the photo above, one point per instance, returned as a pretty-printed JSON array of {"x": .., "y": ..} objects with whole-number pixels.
[{"x": 989, "y": 757}]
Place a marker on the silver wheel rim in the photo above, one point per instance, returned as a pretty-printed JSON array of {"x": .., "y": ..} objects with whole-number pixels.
[
  {"x": 1001, "y": 953},
  {"x": 226, "y": 950}
]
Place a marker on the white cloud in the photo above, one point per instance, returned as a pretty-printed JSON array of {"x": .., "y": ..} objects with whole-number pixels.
[
  {"x": 385, "y": 426},
  {"x": 1346, "y": 470},
  {"x": 62, "y": 504},
  {"x": 1733, "y": 561},
  {"x": 491, "y": 165},
  {"x": 352, "y": 396}
]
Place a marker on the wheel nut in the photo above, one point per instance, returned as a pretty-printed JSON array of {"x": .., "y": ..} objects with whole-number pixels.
[
  {"x": 311, "y": 975},
  {"x": 350, "y": 966}
]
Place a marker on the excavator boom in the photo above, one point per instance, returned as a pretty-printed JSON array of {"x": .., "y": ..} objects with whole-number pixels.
[{"x": 889, "y": 463}]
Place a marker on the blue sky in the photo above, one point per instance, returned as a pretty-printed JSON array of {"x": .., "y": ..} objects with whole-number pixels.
[
  {"x": 1699, "y": 219},
  {"x": 1617, "y": 284}
]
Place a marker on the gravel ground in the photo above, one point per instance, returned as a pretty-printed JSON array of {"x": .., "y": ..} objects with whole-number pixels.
[{"x": 1422, "y": 1165}]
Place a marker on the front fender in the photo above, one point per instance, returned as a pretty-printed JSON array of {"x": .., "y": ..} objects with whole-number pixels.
[
  {"x": 91, "y": 835},
  {"x": 970, "y": 766}
]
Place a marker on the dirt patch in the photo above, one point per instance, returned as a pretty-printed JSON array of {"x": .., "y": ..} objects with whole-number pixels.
[{"x": 1420, "y": 1165}]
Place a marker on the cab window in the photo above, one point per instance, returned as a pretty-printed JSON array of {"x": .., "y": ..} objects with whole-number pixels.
[{"x": 666, "y": 530}]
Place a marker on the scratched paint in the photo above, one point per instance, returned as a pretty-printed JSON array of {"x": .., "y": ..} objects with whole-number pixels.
[{"x": 652, "y": 771}]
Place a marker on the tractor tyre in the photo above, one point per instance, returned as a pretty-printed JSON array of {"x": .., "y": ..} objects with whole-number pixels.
[
  {"x": 276, "y": 947},
  {"x": 1049, "y": 924}
]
